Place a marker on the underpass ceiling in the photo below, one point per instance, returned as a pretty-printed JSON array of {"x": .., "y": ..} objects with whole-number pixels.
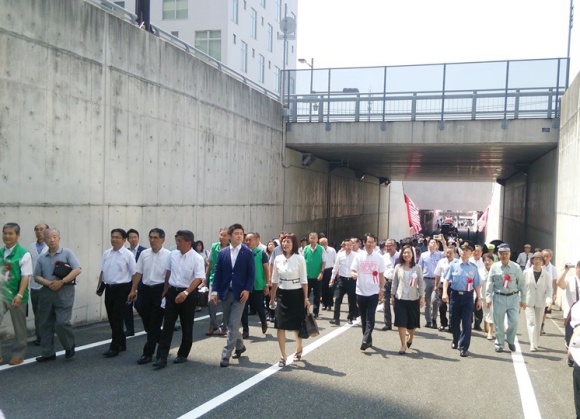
[{"x": 430, "y": 161}]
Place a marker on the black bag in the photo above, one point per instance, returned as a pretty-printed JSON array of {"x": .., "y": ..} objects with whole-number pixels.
[
  {"x": 311, "y": 326},
  {"x": 202, "y": 298},
  {"x": 61, "y": 269},
  {"x": 303, "y": 332}
]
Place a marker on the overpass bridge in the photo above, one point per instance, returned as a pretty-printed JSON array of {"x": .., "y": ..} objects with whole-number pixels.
[{"x": 468, "y": 121}]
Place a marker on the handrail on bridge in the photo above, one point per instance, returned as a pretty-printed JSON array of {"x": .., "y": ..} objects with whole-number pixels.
[
  {"x": 466, "y": 91},
  {"x": 128, "y": 16}
]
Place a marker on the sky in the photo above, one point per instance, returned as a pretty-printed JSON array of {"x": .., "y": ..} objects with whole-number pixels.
[{"x": 346, "y": 33}]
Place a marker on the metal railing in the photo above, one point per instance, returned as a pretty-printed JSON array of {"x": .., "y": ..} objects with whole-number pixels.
[
  {"x": 128, "y": 16},
  {"x": 483, "y": 90}
]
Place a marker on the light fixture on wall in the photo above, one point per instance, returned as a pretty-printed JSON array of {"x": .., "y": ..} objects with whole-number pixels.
[
  {"x": 359, "y": 175},
  {"x": 384, "y": 181},
  {"x": 307, "y": 159}
]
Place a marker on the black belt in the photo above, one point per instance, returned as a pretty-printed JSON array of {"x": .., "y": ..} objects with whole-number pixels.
[
  {"x": 124, "y": 284},
  {"x": 461, "y": 292},
  {"x": 507, "y": 294},
  {"x": 294, "y": 281},
  {"x": 177, "y": 288},
  {"x": 428, "y": 277},
  {"x": 345, "y": 277},
  {"x": 155, "y": 285}
]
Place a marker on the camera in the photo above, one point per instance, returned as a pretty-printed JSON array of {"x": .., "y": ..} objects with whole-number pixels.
[
  {"x": 437, "y": 236},
  {"x": 570, "y": 265}
]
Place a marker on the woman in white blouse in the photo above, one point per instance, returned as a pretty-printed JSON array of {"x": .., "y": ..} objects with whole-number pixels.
[
  {"x": 408, "y": 296},
  {"x": 487, "y": 311},
  {"x": 538, "y": 297},
  {"x": 290, "y": 291}
]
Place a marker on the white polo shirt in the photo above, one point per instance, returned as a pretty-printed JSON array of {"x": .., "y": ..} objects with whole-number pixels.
[{"x": 185, "y": 268}]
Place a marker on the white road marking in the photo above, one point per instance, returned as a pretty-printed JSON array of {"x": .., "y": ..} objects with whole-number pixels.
[
  {"x": 250, "y": 382},
  {"x": 84, "y": 347},
  {"x": 527, "y": 395}
]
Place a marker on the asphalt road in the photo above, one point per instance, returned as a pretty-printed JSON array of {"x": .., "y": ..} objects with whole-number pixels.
[{"x": 334, "y": 379}]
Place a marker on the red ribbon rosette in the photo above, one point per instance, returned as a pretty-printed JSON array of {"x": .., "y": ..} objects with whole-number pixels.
[
  {"x": 56, "y": 262},
  {"x": 376, "y": 277},
  {"x": 506, "y": 280},
  {"x": 7, "y": 267},
  {"x": 469, "y": 284}
]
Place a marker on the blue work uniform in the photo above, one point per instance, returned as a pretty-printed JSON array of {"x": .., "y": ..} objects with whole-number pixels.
[{"x": 464, "y": 279}]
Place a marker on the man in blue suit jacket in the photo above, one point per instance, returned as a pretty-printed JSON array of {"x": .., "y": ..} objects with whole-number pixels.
[{"x": 235, "y": 273}]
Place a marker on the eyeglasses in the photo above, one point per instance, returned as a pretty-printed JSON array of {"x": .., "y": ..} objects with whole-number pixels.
[{"x": 154, "y": 237}]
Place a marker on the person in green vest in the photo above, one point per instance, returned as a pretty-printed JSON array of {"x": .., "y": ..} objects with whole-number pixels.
[
  {"x": 256, "y": 300},
  {"x": 315, "y": 258},
  {"x": 16, "y": 270},
  {"x": 223, "y": 241}
]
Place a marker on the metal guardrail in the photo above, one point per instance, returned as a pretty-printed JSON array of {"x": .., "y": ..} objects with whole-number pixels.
[
  {"x": 491, "y": 90},
  {"x": 132, "y": 18}
]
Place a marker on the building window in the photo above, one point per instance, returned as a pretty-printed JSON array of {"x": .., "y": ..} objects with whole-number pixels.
[
  {"x": 175, "y": 9},
  {"x": 278, "y": 11},
  {"x": 120, "y": 4},
  {"x": 209, "y": 42},
  {"x": 234, "y": 11},
  {"x": 175, "y": 33},
  {"x": 244, "y": 57},
  {"x": 254, "y": 24},
  {"x": 270, "y": 37},
  {"x": 277, "y": 79},
  {"x": 262, "y": 64},
  {"x": 263, "y": 3}
]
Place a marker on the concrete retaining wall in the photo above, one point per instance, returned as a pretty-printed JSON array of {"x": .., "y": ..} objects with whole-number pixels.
[{"x": 103, "y": 125}]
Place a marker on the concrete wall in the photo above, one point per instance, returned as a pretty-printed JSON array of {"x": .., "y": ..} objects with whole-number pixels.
[
  {"x": 535, "y": 191},
  {"x": 568, "y": 197},
  {"x": 103, "y": 125}
]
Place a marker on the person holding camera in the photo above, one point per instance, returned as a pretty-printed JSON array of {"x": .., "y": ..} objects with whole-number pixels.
[{"x": 571, "y": 284}]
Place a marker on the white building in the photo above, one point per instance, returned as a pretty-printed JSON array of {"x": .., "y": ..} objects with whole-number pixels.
[{"x": 242, "y": 34}]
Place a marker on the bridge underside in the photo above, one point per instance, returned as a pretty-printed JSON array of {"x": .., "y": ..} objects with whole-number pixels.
[{"x": 460, "y": 150}]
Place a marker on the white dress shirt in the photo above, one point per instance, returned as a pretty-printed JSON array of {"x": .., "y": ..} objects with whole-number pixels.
[
  {"x": 34, "y": 256},
  {"x": 343, "y": 264},
  {"x": 185, "y": 268},
  {"x": 234, "y": 251},
  {"x": 153, "y": 266},
  {"x": 390, "y": 263},
  {"x": 289, "y": 273},
  {"x": 118, "y": 266},
  {"x": 330, "y": 257}
]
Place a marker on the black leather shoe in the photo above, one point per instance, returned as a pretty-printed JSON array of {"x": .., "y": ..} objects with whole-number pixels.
[
  {"x": 130, "y": 333},
  {"x": 238, "y": 352},
  {"x": 349, "y": 321},
  {"x": 245, "y": 335},
  {"x": 441, "y": 328},
  {"x": 122, "y": 349},
  {"x": 144, "y": 360},
  {"x": 224, "y": 363},
  {"x": 110, "y": 353},
  {"x": 512, "y": 347},
  {"x": 429, "y": 325},
  {"x": 45, "y": 358},
  {"x": 453, "y": 345},
  {"x": 364, "y": 346},
  {"x": 160, "y": 363},
  {"x": 387, "y": 328},
  {"x": 69, "y": 353},
  {"x": 478, "y": 328},
  {"x": 180, "y": 360},
  {"x": 36, "y": 342},
  {"x": 264, "y": 328},
  {"x": 498, "y": 349},
  {"x": 315, "y": 315},
  {"x": 335, "y": 322},
  {"x": 570, "y": 362},
  {"x": 463, "y": 353}
]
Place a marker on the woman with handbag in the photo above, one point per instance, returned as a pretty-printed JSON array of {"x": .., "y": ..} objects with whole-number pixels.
[
  {"x": 290, "y": 291},
  {"x": 408, "y": 296}
]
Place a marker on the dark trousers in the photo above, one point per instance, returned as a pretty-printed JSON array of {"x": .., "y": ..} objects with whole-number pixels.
[
  {"x": 34, "y": 297},
  {"x": 478, "y": 317},
  {"x": 345, "y": 286},
  {"x": 256, "y": 303},
  {"x": 152, "y": 315},
  {"x": 314, "y": 287},
  {"x": 576, "y": 386},
  {"x": 128, "y": 317},
  {"x": 461, "y": 307},
  {"x": 326, "y": 290},
  {"x": 568, "y": 332},
  {"x": 387, "y": 304},
  {"x": 368, "y": 307},
  {"x": 116, "y": 304},
  {"x": 442, "y": 308},
  {"x": 185, "y": 311}
]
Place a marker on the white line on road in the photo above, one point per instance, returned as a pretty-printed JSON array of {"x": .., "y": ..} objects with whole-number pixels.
[
  {"x": 84, "y": 347},
  {"x": 527, "y": 395},
  {"x": 250, "y": 382}
]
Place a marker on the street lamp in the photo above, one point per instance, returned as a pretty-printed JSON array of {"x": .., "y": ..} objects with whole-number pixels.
[{"x": 311, "y": 65}]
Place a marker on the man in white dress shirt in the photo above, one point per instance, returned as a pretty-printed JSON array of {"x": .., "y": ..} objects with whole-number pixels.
[
  {"x": 391, "y": 257},
  {"x": 36, "y": 249},
  {"x": 345, "y": 283},
  {"x": 186, "y": 270},
  {"x": 327, "y": 291},
  {"x": 152, "y": 269}
]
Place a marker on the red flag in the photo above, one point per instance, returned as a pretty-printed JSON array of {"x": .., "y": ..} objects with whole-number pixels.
[
  {"x": 482, "y": 222},
  {"x": 413, "y": 215}
]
